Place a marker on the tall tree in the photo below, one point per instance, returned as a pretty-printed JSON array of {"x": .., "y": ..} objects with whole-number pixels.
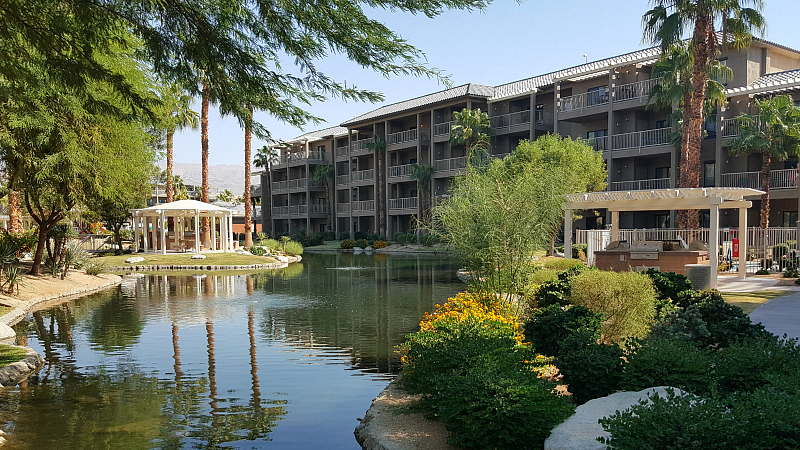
[
  {"x": 179, "y": 116},
  {"x": 324, "y": 173},
  {"x": 773, "y": 133},
  {"x": 379, "y": 147},
  {"x": 266, "y": 156},
  {"x": 664, "y": 25},
  {"x": 248, "y": 207},
  {"x": 423, "y": 176},
  {"x": 472, "y": 129},
  {"x": 205, "y": 99},
  {"x": 15, "y": 212}
]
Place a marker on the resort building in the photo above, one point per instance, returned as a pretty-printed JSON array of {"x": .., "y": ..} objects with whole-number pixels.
[{"x": 603, "y": 102}]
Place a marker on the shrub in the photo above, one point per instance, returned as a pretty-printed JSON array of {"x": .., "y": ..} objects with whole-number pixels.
[
  {"x": 540, "y": 275},
  {"x": 666, "y": 362},
  {"x": 361, "y": 243},
  {"x": 550, "y": 325},
  {"x": 257, "y": 250},
  {"x": 561, "y": 263},
  {"x": 728, "y": 323},
  {"x": 294, "y": 248},
  {"x": 668, "y": 284},
  {"x": 554, "y": 292},
  {"x": 379, "y": 244},
  {"x": 626, "y": 301},
  {"x": 429, "y": 240},
  {"x": 791, "y": 272},
  {"x": 328, "y": 236},
  {"x": 692, "y": 297},
  {"x": 347, "y": 244},
  {"x": 684, "y": 324},
  {"x": 344, "y": 235},
  {"x": 273, "y": 245},
  {"x": 590, "y": 370},
  {"x": 411, "y": 238},
  {"x": 751, "y": 364},
  {"x": 399, "y": 238},
  {"x": 360, "y": 235},
  {"x": 763, "y": 272},
  {"x": 308, "y": 239},
  {"x": 95, "y": 267}
]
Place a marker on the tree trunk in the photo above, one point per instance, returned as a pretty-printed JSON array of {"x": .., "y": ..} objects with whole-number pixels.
[
  {"x": 206, "y": 229},
  {"x": 266, "y": 203},
  {"x": 170, "y": 187},
  {"x": 330, "y": 204},
  {"x": 44, "y": 229},
  {"x": 15, "y": 212},
  {"x": 381, "y": 193},
  {"x": 684, "y": 215},
  {"x": 766, "y": 161},
  {"x": 248, "y": 207}
]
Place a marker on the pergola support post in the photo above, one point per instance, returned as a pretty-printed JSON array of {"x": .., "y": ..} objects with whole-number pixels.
[
  {"x": 135, "y": 222},
  {"x": 197, "y": 232},
  {"x": 568, "y": 233},
  {"x": 713, "y": 245},
  {"x": 614, "y": 226},
  {"x": 742, "y": 243},
  {"x": 162, "y": 234}
]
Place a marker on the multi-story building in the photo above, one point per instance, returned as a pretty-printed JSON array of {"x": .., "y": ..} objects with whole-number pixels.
[{"x": 603, "y": 102}]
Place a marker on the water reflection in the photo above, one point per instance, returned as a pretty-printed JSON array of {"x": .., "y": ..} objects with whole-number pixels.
[{"x": 175, "y": 361}]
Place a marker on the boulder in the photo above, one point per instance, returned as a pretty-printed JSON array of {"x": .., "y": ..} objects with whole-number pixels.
[
  {"x": 580, "y": 432},
  {"x": 368, "y": 249},
  {"x": 134, "y": 260},
  {"x": 198, "y": 256},
  {"x": 281, "y": 258}
]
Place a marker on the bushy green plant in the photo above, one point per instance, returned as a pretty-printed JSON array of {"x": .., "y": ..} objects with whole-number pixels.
[
  {"x": 590, "y": 369},
  {"x": 95, "y": 267},
  {"x": 273, "y": 245},
  {"x": 328, "y": 236},
  {"x": 257, "y": 250},
  {"x": 626, "y": 301},
  {"x": 577, "y": 249},
  {"x": 669, "y": 284},
  {"x": 347, "y": 244},
  {"x": 791, "y": 272},
  {"x": 360, "y": 243},
  {"x": 74, "y": 256},
  {"x": 540, "y": 275},
  {"x": 763, "y": 272},
  {"x": 399, "y": 238},
  {"x": 560, "y": 264},
  {"x": 548, "y": 326},
  {"x": 12, "y": 279},
  {"x": 656, "y": 361},
  {"x": 360, "y": 235},
  {"x": 684, "y": 324},
  {"x": 555, "y": 292},
  {"x": 429, "y": 240},
  {"x": 379, "y": 244},
  {"x": 293, "y": 248},
  {"x": 692, "y": 297},
  {"x": 344, "y": 235},
  {"x": 728, "y": 323}
]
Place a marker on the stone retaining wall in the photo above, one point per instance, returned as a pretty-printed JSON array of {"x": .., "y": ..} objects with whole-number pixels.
[{"x": 204, "y": 267}]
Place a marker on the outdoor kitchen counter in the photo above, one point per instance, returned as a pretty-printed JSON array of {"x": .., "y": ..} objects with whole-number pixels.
[{"x": 624, "y": 259}]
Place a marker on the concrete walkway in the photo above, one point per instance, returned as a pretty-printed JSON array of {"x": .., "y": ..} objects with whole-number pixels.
[
  {"x": 780, "y": 315},
  {"x": 752, "y": 284}
]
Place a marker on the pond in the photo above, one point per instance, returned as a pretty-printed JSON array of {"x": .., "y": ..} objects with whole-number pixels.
[{"x": 285, "y": 359}]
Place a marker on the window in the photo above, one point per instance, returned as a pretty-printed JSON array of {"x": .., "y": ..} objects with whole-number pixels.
[
  {"x": 709, "y": 169},
  {"x": 597, "y": 95},
  {"x": 662, "y": 123},
  {"x": 661, "y": 221},
  {"x": 321, "y": 148},
  {"x": 596, "y": 141},
  {"x": 413, "y": 193},
  {"x": 790, "y": 219},
  {"x": 662, "y": 172}
]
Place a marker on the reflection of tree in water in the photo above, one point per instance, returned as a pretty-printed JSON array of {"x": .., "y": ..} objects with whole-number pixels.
[{"x": 115, "y": 324}]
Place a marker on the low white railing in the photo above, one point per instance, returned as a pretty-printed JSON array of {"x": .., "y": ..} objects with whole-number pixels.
[
  {"x": 343, "y": 208},
  {"x": 441, "y": 129},
  {"x": 363, "y": 205},
  {"x": 400, "y": 171},
  {"x": 638, "y": 185},
  {"x": 778, "y": 179},
  {"x": 403, "y": 203},
  {"x": 634, "y": 91},
  {"x": 318, "y": 209},
  {"x": 279, "y": 185},
  {"x": 280, "y": 211},
  {"x": 641, "y": 139},
  {"x": 342, "y": 151},
  {"x": 583, "y": 101},
  {"x": 297, "y": 184},
  {"x": 730, "y": 127},
  {"x": 400, "y": 137},
  {"x": 362, "y": 175},
  {"x": 599, "y": 144},
  {"x": 361, "y": 146},
  {"x": 342, "y": 179},
  {"x": 450, "y": 164}
]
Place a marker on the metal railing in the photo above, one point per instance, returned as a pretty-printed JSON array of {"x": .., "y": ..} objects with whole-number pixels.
[
  {"x": 400, "y": 137},
  {"x": 730, "y": 127},
  {"x": 544, "y": 117},
  {"x": 314, "y": 155},
  {"x": 279, "y": 185},
  {"x": 298, "y": 210},
  {"x": 342, "y": 151},
  {"x": 778, "y": 179},
  {"x": 582, "y": 101},
  {"x": 599, "y": 144},
  {"x": 401, "y": 171},
  {"x": 450, "y": 164},
  {"x": 342, "y": 208},
  {"x": 363, "y": 205},
  {"x": 511, "y": 119},
  {"x": 297, "y": 184},
  {"x": 441, "y": 129},
  {"x": 403, "y": 203},
  {"x": 361, "y": 146},
  {"x": 318, "y": 209},
  {"x": 362, "y": 175},
  {"x": 280, "y": 210},
  {"x": 638, "y": 185},
  {"x": 641, "y": 139},
  {"x": 342, "y": 179},
  {"x": 634, "y": 91}
]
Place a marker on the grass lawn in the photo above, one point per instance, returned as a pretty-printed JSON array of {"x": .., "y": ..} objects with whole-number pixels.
[
  {"x": 4, "y": 310},
  {"x": 749, "y": 301},
  {"x": 327, "y": 245},
  {"x": 10, "y": 354},
  {"x": 212, "y": 259}
]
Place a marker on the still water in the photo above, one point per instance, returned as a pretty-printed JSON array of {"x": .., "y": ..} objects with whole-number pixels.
[{"x": 284, "y": 359}]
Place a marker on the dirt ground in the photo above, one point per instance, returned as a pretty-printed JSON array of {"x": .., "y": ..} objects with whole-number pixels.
[{"x": 48, "y": 286}]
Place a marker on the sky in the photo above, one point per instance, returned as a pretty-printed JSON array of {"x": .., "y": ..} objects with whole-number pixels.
[{"x": 507, "y": 41}]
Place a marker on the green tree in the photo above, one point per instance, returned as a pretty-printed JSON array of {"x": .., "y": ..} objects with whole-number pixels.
[
  {"x": 379, "y": 147},
  {"x": 664, "y": 25},
  {"x": 325, "y": 173},
  {"x": 114, "y": 209},
  {"x": 472, "y": 129},
  {"x": 774, "y": 133},
  {"x": 423, "y": 176},
  {"x": 498, "y": 215},
  {"x": 179, "y": 116},
  {"x": 225, "y": 196},
  {"x": 248, "y": 206},
  {"x": 265, "y": 158}
]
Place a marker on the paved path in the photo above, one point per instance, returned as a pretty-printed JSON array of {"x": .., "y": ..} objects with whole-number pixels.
[
  {"x": 752, "y": 284},
  {"x": 781, "y": 315}
]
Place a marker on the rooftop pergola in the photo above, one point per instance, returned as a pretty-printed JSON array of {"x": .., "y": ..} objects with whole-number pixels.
[
  {"x": 713, "y": 199},
  {"x": 185, "y": 213}
]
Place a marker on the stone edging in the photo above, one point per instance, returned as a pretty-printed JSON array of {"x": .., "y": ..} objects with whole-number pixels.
[
  {"x": 161, "y": 268},
  {"x": 13, "y": 373}
]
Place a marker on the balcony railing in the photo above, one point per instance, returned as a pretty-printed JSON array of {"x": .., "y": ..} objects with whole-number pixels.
[
  {"x": 342, "y": 179},
  {"x": 363, "y": 205},
  {"x": 599, "y": 144},
  {"x": 342, "y": 151},
  {"x": 343, "y": 208},
  {"x": 298, "y": 210},
  {"x": 634, "y": 91},
  {"x": 642, "y": 139},
  {"x": 361, "y": 146},
  {"x": 730, "y": 127},
  {"x": 400, "y": 171},
  {"x": 400, "y": 137},
  {"x": 544, "y": 117},
  {"x": 450, "y": 165},
  {"x": 638, "y": 185},
  {"x": 295, "y": 157},
  {"x": 442, "y": 129},
  {"x": 363, "y": 175},
  {"x": 280, "y": 211},
  {"x": 318, "y": 209},
  {"x": 778, "y": 179},
  {"x": 279, "y": 185},
  {"x": 403, "y": 203},
  {"x": 583, "y": 101},
  {"x": 297, "y": 184}
]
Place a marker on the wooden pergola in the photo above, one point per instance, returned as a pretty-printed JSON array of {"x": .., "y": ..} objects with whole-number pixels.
[
  {"x": 713, "y": 199},
  {"x": 186, "y": 215}
]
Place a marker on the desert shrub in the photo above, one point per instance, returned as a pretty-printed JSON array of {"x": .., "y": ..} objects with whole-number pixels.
[
  {"x": 692, "y": 297},
  {"x": 294, "y": 248},
  {"x": 360, "y": 243},
  {"x": 763, "y": 272},
  {"x": 273, "y": 245},
  {"x": 360, "y": 235},
  {"x": 399, "y": 238},
  {"x": 560, "y": 263},
  {"x": 626, "y": 301},
  {"x": 684, "y": 324},
  {"x": 328, "y": 236},
  {"x": 20, "y": 243},
  {"x": 347, "y": 244},
  {"x": 257, "y": 250},
  {"x": 75, "y": 256},
  {"x": 654, "y": 361},
  {"x": 551, "y": 325},
  {"x": 751, "y": 364},
  {"x": 791, "y": 272},
  {"x": 728, "y": 323},
  {"x": 540, "y": 275},
  {"x": 668, "y": 284},
  {"x": 555, "y": 292},
  {"x": 95, "y": 267},
  {"x": 411, "y": 238},
  {"x": 591, "y": 370},
  {"x": 308, "y": 239},
  {"x": 379, "y": 244},
  {"x": 429, "y": 240},
  {"x": 344, "y": 235},
  {"x": 375, "y": 237}
]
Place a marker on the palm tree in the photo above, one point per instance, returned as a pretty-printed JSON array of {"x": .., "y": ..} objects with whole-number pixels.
[
  {"x": 181, "y": 193},
  {"x": 248, "y": 207},
  {"x": 423, "y": 175},
  {"x": 15, "y": 212},
  {"x": 379, "y": 147},
  {"x": 472, "y": 129},
  {"x": 206, "y": 98},
  {"x": 325, "y": 173},
  {"x": 180, "y": 117},
  {"x": 265, "y": 157},
  {"x": 665, "y": 24},
  {"x": 774, "y": 133}
]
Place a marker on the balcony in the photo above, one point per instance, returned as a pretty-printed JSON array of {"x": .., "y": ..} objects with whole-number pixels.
[
  {"x": 300, "y": 183},
  {"x": 318, "y": 209},
  {"x": 280, "y": 211},
  {"x": 278, "y": 186},
  {"x": 342, "y": 151},
  {"x": 599, "y": 144},
  {"x": 361, "y": 147},
  {"x": 403, "y": 203},
  {"x": 778, "y": 179},
  {"x": 343, "y": 208},
  {"x": 587, "y": 100},
  {"x": 362, "y": 206},
  {"x": 362, "y": 175},
  {"x": 342, "y": 179},
  {"x": 639, "y": 90},
  {"x": 642, "y": 139},
  {"x": 401, "y": 171},
  {"x": 449, "y": 165},
  {"x": 730, "y": 128},
  {"x": 298, "y": 211},
  {"x": 442, "y": 129},
  {"x": 301, "y": 158},
  {"x": 639, "y": 185},
  {"x": 401, "y": 137}
]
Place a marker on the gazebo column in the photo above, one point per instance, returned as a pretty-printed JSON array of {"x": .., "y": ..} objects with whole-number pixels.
[
  {"x": 214, "y": 233},
  {"x": 162, "y": 233},
  {"x": 713, "y": 245},
  {"x": 135, "y": 223},
  {"x": 145, "y": 232},
  {"x": 223, "y": 235},
  {"x": 230, "y": 231},
  {"x": 742, "y": 242},
  {"x": 175, "y": 227},
  {"x": 568, "y": 233},
  {"x": 197, "y": 232},
  {"x": 614, "y": 226}
]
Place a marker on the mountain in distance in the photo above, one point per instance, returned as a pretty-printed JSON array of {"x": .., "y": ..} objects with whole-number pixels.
[{"x": 221, "y": 176}]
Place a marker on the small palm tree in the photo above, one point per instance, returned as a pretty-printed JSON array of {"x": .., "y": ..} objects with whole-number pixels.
[
  {"x": 472, "y": 129},
  {"x": 379, "y": 147},
  {"x": 423, "y": 176},
  {"x": 180, "y": 116},
  {"x": 265, "y": 158},
  {"x": 324, "y": 173},
  {"x": 774, "y": 133}
]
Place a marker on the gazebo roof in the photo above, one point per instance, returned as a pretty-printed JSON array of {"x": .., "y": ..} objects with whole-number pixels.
[
  {"x": 662, "y": 199},
  {"x": 182, "y": 207}
]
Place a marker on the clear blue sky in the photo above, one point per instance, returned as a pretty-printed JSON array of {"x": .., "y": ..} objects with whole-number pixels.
[{"x": 508, "y": 41}]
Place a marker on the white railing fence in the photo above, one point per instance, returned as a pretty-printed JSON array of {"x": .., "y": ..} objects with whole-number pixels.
[
  {"x": 450, "y": 164},
  {"x": 778, "y": 179},
  {"x": 440, "y": 129},
  {"x": 400, "y": 137},
  {"x": 633, "y": 91}
]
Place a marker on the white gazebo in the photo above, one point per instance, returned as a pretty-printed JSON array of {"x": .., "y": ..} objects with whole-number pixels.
[
  {"x": 185, "y": 234},
  {"x": 713, "y": 199}
]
